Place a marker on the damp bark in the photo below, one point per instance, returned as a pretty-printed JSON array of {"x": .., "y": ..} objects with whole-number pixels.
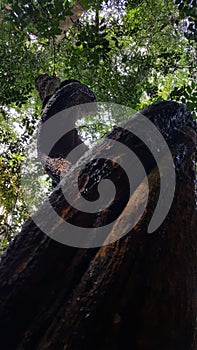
[{"x": 136, "y": 293}]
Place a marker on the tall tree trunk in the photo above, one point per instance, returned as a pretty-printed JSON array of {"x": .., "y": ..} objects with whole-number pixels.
[
  {"x": 136, "y": 293},
  {"x": 77, "y": 11}
]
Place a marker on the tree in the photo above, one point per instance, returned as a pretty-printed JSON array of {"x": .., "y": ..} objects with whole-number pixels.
[
  {"x": 138, "y": 292},
  {"x": 54, "y": 296},
  {"x": 119, "y": 56}
]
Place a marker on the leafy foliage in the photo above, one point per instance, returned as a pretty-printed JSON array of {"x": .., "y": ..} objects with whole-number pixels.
[{"x": 128, "y": 52}]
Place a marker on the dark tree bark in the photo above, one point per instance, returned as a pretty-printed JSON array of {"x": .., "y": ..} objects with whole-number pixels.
[{"x": 138, "y": 293}]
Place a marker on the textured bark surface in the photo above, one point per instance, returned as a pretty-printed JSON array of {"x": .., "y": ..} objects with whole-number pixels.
[
  {"x": 137, "y": 293},
  {"x": 57, "y": 97}
]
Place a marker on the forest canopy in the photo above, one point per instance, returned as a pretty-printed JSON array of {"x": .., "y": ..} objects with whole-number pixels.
[{"x": 128, "y": 52}]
